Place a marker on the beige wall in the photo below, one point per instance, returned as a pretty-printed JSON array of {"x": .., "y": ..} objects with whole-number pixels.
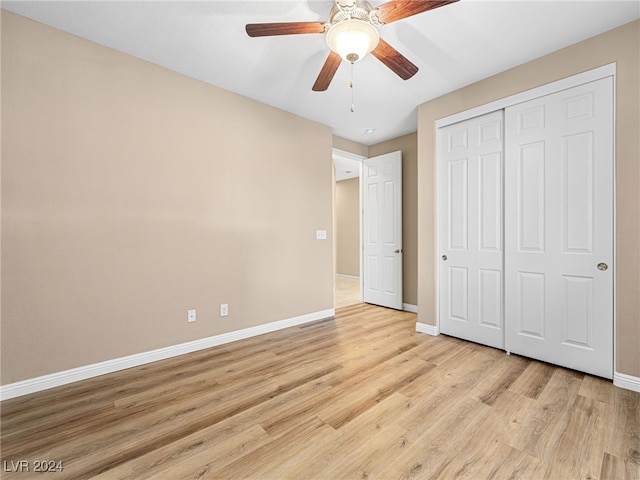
[
  {"x": 131, "y": 193},
  {"x": 350, "y": 146},
  {"x": 348, "y": 227},
  {"x": 621, "y": 45}
]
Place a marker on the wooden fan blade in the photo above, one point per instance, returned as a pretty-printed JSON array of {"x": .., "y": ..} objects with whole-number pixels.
[
  {"x": 393, "y": 59},
  {"x": 286, "y": 28},
  {"x": 329, "y": 69},
  {"x": 398, "y": 9}
]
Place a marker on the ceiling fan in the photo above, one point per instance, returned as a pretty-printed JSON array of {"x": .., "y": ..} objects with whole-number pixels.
[{"x": 351, "y": 33}]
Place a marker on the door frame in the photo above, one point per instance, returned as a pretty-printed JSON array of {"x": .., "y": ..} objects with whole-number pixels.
[{"x": 598, "y": 73}]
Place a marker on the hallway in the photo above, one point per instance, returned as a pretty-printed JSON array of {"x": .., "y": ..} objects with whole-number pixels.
[{"x": 347, "y": 292}]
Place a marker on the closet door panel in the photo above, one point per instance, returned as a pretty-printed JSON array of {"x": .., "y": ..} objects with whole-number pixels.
[
  {"x": 559, "y": 228},
  {"x": 577, "y": 192},
  {"x": 470, "y": 171},
  {"x": 531, "y": 197},
  {"x": 490, "y": 285},
  {"x": 490, "y": 206},
  {"x": 458, "y": 205}
]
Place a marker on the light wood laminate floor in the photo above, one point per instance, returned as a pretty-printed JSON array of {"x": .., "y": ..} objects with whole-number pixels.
[
  {"x": 362, "y": 396},
  {"x": 347, "y": 291}
]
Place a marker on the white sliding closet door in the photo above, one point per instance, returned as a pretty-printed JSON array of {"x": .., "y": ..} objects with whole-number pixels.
[
  {"x": 470, "y": 229},
  {"x": 559, "y": 228}
]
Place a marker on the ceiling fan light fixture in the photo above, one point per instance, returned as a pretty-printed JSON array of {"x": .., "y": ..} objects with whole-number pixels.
[{"x": 352, "y": 39}]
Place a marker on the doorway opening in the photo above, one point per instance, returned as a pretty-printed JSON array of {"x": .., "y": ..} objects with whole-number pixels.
[
  {"x": 347, "y": 227},
  {"x": 368, "y": 246}
]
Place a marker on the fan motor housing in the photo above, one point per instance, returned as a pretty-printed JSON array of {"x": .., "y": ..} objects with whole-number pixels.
[{"x": 359, "y": 9}]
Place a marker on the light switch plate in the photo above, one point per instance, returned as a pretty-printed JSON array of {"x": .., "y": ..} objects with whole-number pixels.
[{"x": 321, "y": 234}]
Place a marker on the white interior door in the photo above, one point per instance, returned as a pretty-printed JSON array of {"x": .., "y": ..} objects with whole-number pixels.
[
  {"x": 470, "y": 171},
  {"x": 382, "y": 230},
  {"x": 559, "y": 228}
]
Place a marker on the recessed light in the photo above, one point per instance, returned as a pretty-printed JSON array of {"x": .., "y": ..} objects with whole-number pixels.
[{"x": 369, "y": 131}]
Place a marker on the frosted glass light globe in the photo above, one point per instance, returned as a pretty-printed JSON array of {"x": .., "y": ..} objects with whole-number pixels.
[{"x": 352, "y": 39}]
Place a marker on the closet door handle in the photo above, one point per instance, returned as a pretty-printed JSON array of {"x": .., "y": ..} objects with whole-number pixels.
[
  {"x": 444, "y": 257},
  {"x": 602, "y": 267}
]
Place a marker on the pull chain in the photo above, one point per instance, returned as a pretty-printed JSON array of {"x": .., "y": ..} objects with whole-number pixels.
[{"x": 351, "y": 86}]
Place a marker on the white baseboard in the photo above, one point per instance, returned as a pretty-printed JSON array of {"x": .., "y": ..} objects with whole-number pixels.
[
  {"x": 626, "y": 381},
  {"x": 352, "y": 277},
  {"x": 407, "y": 307},
  {"x": 429, "y": 329},
  {"x": 45, "y": 382}
]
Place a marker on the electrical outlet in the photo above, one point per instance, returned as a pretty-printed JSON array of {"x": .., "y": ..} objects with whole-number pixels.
[
  {"x": 191, "y": 316},
  {"x": 224, "y": 309}
]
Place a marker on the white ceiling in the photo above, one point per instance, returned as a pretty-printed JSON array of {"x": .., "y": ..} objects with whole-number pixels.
[{"x": 453, "y": 46}]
